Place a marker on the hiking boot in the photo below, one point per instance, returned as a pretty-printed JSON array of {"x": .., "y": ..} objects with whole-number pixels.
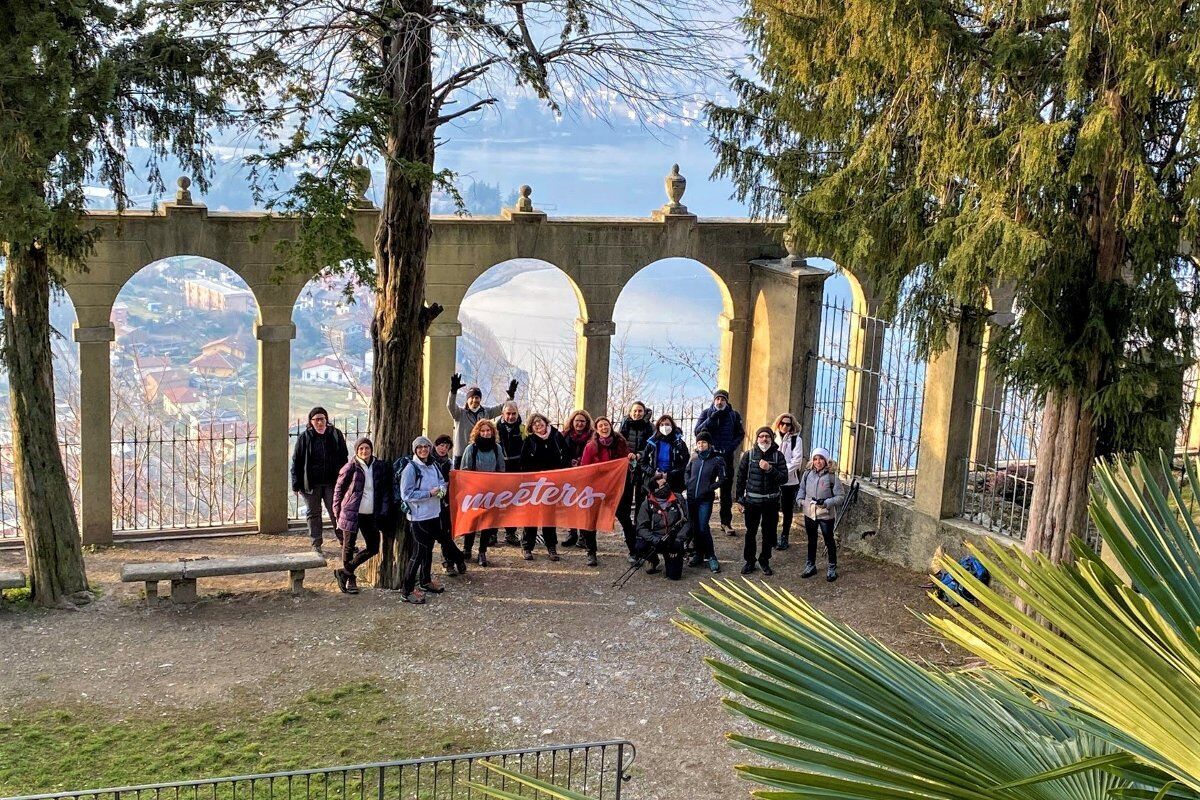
[
  {"x": 339, "y": 575},
  {"x": 449, "y": 569},
  {"x": 351, "y": 583},
  {"x": 553, "y": 556},
  {"x": 695, "y": 560},
  {"x": 747, "y": 568},
  {"x": 433, "y": 587},
  {"x": 714, "y": 566},
  {"x": 571, "y": 540},
  {"x": 766, "y": 568},
  {"x": 512, "y": 539},
  {"x": 483, "y": 562},
  {"x": 527, "y": 555},
  {"x": 591, "y": 560},
  {"x": 462, "y": 567},
  {"x": 491, "y": 539},
  {"x": 831, "y": 573},
  {"x": 416, "y": 597},
  {"x": 317, "y": 549},
  {"x": 810, "y": 569},
  {"x": 783, "y": 543},
  {"x": 467, "y": 554}
]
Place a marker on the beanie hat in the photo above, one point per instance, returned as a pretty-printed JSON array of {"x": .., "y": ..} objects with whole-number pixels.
[
  {"x": 766, "y": 430},
  {"x": 443, "y": 439},
  {"x": 721, "y": 393},
  {"x": 820, "y": 451},
  {"x": 703, "y": 436},
  {"x": 474, "y": 391},
  {"x": 317, "y": 410},
  {"x": 421, "y": 441},
  {"x": 363, "y": 440}
]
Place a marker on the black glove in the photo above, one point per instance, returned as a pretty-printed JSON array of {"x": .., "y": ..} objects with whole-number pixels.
[
  {"x": 512, "y": 389},
  {"x": 456, "y": 382},
  {"x": 820, "y": 503}
]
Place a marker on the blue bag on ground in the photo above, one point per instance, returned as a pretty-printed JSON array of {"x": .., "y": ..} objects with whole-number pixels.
[{"x": 950, "y": 589}]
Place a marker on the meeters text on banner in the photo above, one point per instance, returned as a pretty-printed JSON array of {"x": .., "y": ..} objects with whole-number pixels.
[{"x": 580, "y": 497}]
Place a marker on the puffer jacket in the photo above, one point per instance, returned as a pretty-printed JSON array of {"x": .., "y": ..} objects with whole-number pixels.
[
  {"x": 663, "y": 525},
  {"x": 679, "y": 460},
  {"x": 704, "y": 475},
  {"x": 540, "y": 455},
  {"x": 757, "y": 486},
  {"x": 824, "y": 485},
  {"x": 511, "y": 437},
  {"x": 636, "y": 432},
  {"x": 348, "y": 492},
  {"x": 476, "y": 459},
  {"x": 792, "y": 447},
  {"x": 725, "y": 427}
]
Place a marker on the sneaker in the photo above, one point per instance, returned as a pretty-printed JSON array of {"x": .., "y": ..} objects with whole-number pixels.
[
  {"x": 483, "y": 562},
  {"x": 809, "y": 570},
  {"x": 449, "y": 569},
  {"x": 747, "y": 568},
  {"x": 831, "y": 573},
  {"x": 714, "y": 566},
  {"x": 339, "y": 575},
  {"x": 553, "y": 555},
  {"x": 695, "y": 560},
  {"x": 766, "y": 568},
  {"x": 783, "y": 544},
  {"x": 416, "y": 597},
  {"x": 527, "y": 555},
  {"x": 351, "y": 583},
  {"x": 433, "y": 587},
  {"x": 591, "y": 560},
  {"x": 632, "y": 559}
]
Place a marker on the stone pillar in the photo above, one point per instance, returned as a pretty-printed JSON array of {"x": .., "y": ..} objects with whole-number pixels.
[
  {"x": 733, "y": 373},
  {"x": 946, "y": 421},
  {"x": 867, "y": 338},
  {"x": 274, "y": 400},
  {"x": 441, "y": 357},
  {"x": 95, "y": 434},
  {"x": 593, "y": 341}
]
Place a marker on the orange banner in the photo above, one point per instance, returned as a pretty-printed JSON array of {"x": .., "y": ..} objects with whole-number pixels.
[{"x": 580, "y": 497}]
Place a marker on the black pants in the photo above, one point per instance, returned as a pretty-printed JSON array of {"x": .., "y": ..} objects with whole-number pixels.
[
  {"x": 631, "y": 501},
  {"x": 485, "y": 537},
  {"x": 368, "y": 526},
  {"x": 589, "y": 541},
  {"x": 787, "y": 506},
  {"x": 727, "y": 491},
  {"x": 450, "y": 552},
  {"x": 420, "y": 559},
  {"x": 765, "y": 515},
  {"x": 549, "y": 535},
  {"x": 826, "y": 527}
]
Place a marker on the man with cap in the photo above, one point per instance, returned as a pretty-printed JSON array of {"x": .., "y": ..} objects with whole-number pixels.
[
  {"x": 761, "y": 474},
  {"x": 724, "y": 425},
  {"x": 466, "y": 416},
  {"x": 820, "y": 495},
  {"x": 318, "y": 457}
]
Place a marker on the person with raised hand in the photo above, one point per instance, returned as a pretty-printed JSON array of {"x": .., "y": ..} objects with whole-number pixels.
[
  {"x": 467, "y": 415},
  {"x": 724, "y": 424},
  {"x": 761, "y": 473},
  {"x": 822, "y": 493}
]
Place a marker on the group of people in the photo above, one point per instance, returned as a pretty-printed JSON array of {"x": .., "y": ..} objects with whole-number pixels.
[{"x": 665, "y": 509}]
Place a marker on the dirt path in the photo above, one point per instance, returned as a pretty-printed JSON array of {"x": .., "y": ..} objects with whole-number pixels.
[{"x": 529, "y": 653}]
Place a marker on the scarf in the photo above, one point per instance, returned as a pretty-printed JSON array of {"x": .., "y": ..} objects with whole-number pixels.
[{"x": 485, "y": 444}]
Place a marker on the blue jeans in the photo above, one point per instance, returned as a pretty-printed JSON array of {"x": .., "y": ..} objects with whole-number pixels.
[{"x": 700, "y": 512}]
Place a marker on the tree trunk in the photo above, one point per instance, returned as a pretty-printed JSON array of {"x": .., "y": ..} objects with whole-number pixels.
[
  {"x": 44, "y": 504},
  {"x": 401, "y": 244}
]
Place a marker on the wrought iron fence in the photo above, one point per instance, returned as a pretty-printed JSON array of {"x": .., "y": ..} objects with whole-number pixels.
[
  {"x": 596, "y": 769},
  {"x": 10, "y": 521},
  {"x": 870, "y": 392},
  {"x": 351, "y": 427}
]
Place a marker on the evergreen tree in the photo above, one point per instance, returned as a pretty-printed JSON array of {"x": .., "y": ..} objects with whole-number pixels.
[
  {"x": 79, "y": 82},
  {"x": 1049, "y": 145},
  {"x": 384, "y": 77}
]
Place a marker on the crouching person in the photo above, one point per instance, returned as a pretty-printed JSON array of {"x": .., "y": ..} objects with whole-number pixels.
[
  {"x": 362, "y": 500},
  {"x": 422, "y": 488},
  {"x": 662, "y": 527}
]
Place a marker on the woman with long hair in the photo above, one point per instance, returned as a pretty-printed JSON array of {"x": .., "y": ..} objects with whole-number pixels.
[
  {"x": 578, "y": 432},
  {"x": 483, "y": 454},
  {"x": 606, "y": 445},
  {"x": 544, "y": 449},
  {"x": 787, "y": 434}
]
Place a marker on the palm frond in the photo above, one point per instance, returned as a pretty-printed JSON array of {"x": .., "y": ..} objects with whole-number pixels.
[{"x": 541, "y": 788}]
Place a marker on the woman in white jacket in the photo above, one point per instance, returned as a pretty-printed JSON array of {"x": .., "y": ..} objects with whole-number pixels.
[{"x": 792, "y": 448}]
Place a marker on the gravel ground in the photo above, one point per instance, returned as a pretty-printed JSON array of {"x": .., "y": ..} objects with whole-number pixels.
[{"x": 530, "y": 654}]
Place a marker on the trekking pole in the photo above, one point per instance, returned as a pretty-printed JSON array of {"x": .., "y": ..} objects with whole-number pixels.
[
  {"x": 624, "y": 578},
  {"x": 851, "y": 498}
]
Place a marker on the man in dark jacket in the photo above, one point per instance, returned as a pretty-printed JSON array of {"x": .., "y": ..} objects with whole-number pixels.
[
  {"x": 724, "y": 425},
  {"x": 760, "y": 477},
  {"x": 703, "y": 476},
  {"x": 510, "y": 433},
  {"x": 319, "y": 456}
]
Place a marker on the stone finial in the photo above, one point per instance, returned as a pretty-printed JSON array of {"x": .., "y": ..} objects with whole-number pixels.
[
  {"x": 789, "y": 244},
  {"x": 524, "y": 203},
  {"x": 675, "y": 184},
  {"x": 183, "y": 195},
  {"x": 360, "y": 176}
]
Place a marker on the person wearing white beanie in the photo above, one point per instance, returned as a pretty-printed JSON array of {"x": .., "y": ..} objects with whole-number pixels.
[{"x": 820, "y": 494}]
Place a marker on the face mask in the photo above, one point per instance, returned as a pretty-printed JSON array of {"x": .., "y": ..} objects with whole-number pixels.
[{"x": 665, "y": 430}]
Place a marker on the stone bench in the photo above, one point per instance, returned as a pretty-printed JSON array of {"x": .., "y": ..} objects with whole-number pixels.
[
  {"x": 183, "y": 574},
  {"x": 11, "y": 579}
]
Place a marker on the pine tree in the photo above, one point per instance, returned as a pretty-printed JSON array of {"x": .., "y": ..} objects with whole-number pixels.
[
  {"x": 384, "y": 77},
  {"x": 80, "y": 81},
  {"x": 1048, "y": 145}
]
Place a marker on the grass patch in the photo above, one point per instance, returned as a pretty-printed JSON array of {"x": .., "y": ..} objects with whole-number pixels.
[
  {"x": 64, "y": 748},
  {"x": 17, "y": 598}
]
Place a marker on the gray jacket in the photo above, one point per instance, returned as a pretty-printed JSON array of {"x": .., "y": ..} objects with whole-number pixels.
[
  {"x": 825, "y": 485},
  {"x": 476, "y": 460},
  {"x": 465, "y": 419}
]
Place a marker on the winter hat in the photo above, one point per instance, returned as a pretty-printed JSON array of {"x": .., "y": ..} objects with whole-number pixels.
[
  {"x": 474, "y": 391},
  {"x": 364, "y": 440},
  {"x": 317, "y": 410},
  {"x": 443, "y": 439},
  {"x": 703, "y": 436},
  {"x": 766, "y": 430},
  {"x": 421, "y": 441},
  {"x": 721, "y": 393},
  {"x": 820, "y": 451}
]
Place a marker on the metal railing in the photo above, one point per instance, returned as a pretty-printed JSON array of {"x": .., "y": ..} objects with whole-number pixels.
[
  {"x": 1003, "y": 459},
  {"x": 596, "y": 769},
  {"x": 351, "y": 427},
  {"x": 10, "y": 522}
]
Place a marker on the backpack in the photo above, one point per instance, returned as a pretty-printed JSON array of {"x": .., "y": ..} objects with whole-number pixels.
[
  {"x": 398, "y": 466},
  {"x": 949, "y": 587}
]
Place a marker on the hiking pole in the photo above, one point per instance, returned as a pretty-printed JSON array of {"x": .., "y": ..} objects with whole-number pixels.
[
  {"x": 851, "y": 498},
  {"x": 624, "y": 578}
]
